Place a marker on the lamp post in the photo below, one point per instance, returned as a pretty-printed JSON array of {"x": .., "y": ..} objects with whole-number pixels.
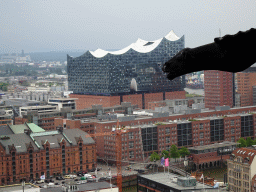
[{"x": 23, "y": 184}]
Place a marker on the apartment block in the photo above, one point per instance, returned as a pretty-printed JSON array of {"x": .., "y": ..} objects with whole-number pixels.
[
  {"x": 218, "y": 87},
  {"x": 245, "y": 83},
  {"x": 241, "y": 169}
]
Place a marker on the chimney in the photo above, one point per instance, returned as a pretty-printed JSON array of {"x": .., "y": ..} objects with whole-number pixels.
[
  {"x": 60, "y": 129},
  {"x": 27, "y": 131}
]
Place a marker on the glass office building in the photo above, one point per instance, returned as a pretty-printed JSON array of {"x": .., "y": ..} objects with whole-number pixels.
[{"x": 136, "y": 68}]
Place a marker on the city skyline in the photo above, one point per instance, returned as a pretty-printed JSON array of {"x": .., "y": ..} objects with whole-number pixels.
[{"x": 89, "y": 25}]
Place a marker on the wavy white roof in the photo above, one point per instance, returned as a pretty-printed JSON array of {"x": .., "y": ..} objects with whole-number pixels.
[{"x": 137, "y": 46}]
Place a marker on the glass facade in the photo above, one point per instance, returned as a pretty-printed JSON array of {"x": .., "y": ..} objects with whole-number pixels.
[
  {"x": 112, "y": 74},
  {"x": 246, "y": 126},
  {"x": 149, "y": 138},
  {"x": 217, "y": 130},
  {"x": 184, "y": 134}
]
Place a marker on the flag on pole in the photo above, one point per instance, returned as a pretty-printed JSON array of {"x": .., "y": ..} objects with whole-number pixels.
[
  {"x": 166, "y": 162},
  {"x": 162, "y": 161},
  {"x": 42, "y": 177}
]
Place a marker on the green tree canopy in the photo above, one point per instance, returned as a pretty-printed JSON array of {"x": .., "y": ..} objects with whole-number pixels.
[
  {"x": 242, "y": 142},
  {"x": 249, "y": 142},
  {"x": 184, "y": 151},
  {"x": 165, "y": 154},
  {"x": 174, "y": 152},
  {"x": 154, "y": 156}
]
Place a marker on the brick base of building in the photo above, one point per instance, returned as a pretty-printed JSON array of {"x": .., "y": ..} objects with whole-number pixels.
[{"x": 142, "y": 100}]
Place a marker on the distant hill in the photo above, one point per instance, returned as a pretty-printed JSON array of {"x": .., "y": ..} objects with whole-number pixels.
[
  {"x": 55, "y": 56},
  {"x": 52, "y": 56}
]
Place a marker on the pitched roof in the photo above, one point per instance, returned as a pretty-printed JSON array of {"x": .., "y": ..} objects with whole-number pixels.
[
  {"x": 19, "y": 141},
  {"x": 72, "y": 134},
  {"x": 245, "y": 153},
  {"x": 18, "y": 128},
  {"x": 5, "y": 130},
  {"x": 34, "y": 128}
]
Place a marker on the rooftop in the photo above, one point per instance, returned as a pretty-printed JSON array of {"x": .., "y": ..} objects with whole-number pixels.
[
  {"x": 168, "y": 180},
  {"x": 83, "y": 187},
  {"x": 18, "y": 187},
  {"x": 215, "y": 145},
  {"x": 38, "y": 107},
  {"x": 63, "y": 99},
  {"x": 243, "y": 152}
]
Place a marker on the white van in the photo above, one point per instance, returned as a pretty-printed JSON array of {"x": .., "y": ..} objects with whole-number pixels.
[{"x": 87, "y": 176}]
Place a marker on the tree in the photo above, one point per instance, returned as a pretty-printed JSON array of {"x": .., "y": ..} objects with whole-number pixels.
[
  {"x": 242, "y": 142},
  {"x": 174, "y": 152},
  {"x": 154, "y": 156},
  {"x": 165, "y": 154},
  {"x": 249, "y": 142},
  {"x": 184, "y": 151}
]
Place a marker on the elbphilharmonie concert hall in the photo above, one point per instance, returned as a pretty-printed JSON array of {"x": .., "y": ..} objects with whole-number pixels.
[{"x": 135, "y": 69}]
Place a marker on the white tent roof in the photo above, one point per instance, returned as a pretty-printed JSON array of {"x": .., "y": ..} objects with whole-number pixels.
[{"x": 137, "y": 46}]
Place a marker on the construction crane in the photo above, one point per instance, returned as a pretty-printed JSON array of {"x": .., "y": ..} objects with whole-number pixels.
[{"x": 118, "y": 135}]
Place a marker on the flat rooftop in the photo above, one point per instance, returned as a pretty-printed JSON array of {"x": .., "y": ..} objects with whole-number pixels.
[
  {"x": 18, "y": 187},
  {"x": 215, "y": 145},
  {"x": 38, "y": 107},
  {"x": 167, "y": 179},
  {"x": 83, "y": 187},
  {"x": 63, "y": 99}
]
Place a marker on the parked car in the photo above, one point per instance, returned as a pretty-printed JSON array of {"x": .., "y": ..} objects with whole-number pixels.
[
  {"x": 91, "y": 179},
  {"x": 78, "y": 182},
  {"x": 79, "y": 174},
  {"x": 50, "y": 184},
  {"x": 87, "y": 176},
  {"x": 84, "y": 172},
  {"x": 59, "y": 178},
  {"x": 148, "y": 166},
  {"x": 51, "y": 181},
  {"x": 56, "y": 183},
  {"x": 66, "y": 177},
  {"x": 128, "y": 167},
  {"x": 141, "y": 171},
  {"x": 99, "y": 168},
  {"x": 63, "y": 182},
  {"x": 83, "y": 181},
  {"x": 102, "y": 179},
  {"x": 40, "y": 181},
  {"x": 93, "y": 169},
  {"x": 72, "y": 176},
  {"x": 46, "y": 181}
]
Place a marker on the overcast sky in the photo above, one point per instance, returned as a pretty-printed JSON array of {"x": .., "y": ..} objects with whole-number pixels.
[{"x": 61, "y": 25}]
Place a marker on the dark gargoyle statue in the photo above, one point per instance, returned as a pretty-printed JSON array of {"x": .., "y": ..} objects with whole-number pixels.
[{"x": 231, "y": 53}]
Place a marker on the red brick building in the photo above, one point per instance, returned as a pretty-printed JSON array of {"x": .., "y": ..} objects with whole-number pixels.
[
  {"x": 212, "y": 155},
  {"x": 32, "y": 154},
  {"x": 218, "y": 87},
  {"x": 201, "y": 129},
  {"x": 245, "y": 83},
  {"x": 142, "y": 100}
]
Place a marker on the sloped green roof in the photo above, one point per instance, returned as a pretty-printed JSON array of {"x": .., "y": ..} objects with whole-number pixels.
[
  {"x": 18, "y": 128},
  {"x": 35, "y": 128}
]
